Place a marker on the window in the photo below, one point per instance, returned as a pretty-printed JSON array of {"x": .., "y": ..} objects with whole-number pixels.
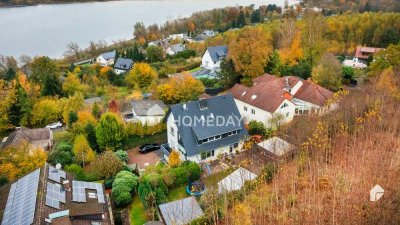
[
  {"x": 245, "y": 108},
  {"x": 253, "y": 111},
  {"x": 172, "y": 131},
  {"x": 287, "y": 114},
  {"x": 253, "y": 97},
  {"x": 206, "y": 155},
  {"x": 284, "y": 105}
]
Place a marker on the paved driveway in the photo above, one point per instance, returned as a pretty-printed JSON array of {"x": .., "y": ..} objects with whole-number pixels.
[{"x": 143, "y": 160}]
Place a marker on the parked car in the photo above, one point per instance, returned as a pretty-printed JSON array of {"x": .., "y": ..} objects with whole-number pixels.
[
  {"x": 149, "y": 148},
  {"x": 55, "y": 125}
]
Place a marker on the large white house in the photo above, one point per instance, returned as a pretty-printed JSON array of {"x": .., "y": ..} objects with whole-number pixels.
[
  {"x": 203, "y": 129},
  {"x": 271, "y": 96},
  {"x": 148, "y": 112},
  {"x": 106, "y": 59},
  {"x": 213, "y": 56}
]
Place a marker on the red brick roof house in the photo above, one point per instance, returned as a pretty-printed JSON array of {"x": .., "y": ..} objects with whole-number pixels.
[
  {"x": 37, "y": 138},
  {"x": 271, "y": 95}
]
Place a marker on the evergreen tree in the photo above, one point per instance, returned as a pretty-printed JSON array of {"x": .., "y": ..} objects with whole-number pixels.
[
  {"x": 51, "y": 86},
  {"x": 10, "y": 74},
  {"x": 228, "y": 75},
  {"x": 241, "y": 20},
  {"x": 72, "y": 118},
  {"x": 22, "y": 107},
  {"x": 256, "y": 16},
  {"x": 90, "y": 131}
]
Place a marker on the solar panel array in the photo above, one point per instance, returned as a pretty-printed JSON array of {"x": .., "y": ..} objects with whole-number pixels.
[
  {"x": 79, "y": 191},
  {"x": 56, "y": 175},
  {"x": 54, "y": 195},
  {"x": 21, "y": 201}
]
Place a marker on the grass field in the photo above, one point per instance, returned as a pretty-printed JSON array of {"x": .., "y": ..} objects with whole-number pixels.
[
  {"x": 137, "y": 212},
  {"x": 137, "y": 141}
]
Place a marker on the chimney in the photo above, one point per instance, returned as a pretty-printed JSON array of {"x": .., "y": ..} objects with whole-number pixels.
[
  {"x": 184, "y": 107},
  {"x": 287, "y": 84},
  {"x": 17, "y": 128},
  {"x": 203, "y": 104}
]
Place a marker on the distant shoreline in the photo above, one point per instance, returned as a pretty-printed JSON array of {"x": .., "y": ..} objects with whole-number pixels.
[{"x": 52, "y": 3}]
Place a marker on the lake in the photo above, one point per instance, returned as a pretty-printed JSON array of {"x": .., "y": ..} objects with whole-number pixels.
[{"x": 47, "y": 29}]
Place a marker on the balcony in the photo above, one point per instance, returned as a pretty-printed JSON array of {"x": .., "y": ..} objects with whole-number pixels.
[{"x": 166, "y": 150}]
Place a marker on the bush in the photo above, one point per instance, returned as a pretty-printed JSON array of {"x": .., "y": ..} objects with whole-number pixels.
[
  {"x": 3, "y": 181},
  {"x": 62, "y": 157},
  {"x": 108, "y": 182},
  {"x": 184, "y": 54},
  {"x": 256, "y": 127},
  {"x": 187, "y": 171},
  {"x": 122, "y": 155},
  {"x": 138, "y": 129},
  {"x": 123, "y": 187},
  {"x": 76, "y": 171}
]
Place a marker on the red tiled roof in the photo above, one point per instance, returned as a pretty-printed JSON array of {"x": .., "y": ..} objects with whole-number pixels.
[
  {"x": 313, "y": 93},
  {"x": 264, "y": 78},
  {"x": 370, "y": 50},
  {"x": 268, "y": 98}
]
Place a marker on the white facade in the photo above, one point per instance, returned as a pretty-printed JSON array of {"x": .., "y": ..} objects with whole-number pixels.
[
  {"x": 118, "y": 71},
  {"x": 354, "y": 63},
  {"x": 170, "y": 51},
  {"x": 208, "y": 63},
  {"x": 173, "y": 141},
  {"x": 250, "y": 112},
  {"x": 149, "y": 120},
  {"x": 103, "y": 62}
]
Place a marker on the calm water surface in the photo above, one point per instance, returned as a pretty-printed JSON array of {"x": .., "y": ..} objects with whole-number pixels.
[{"x": 47, "y": 29}]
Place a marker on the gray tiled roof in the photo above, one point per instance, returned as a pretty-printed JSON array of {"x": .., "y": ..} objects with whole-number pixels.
[
  {"x": 178, "y": 48},
  {"x": 148, "y": 107},
  {"x": 123, "y": 64},
  {"x": 109, "y": 55},
  {"x": 217, "y": 52},
  {"x": 181, "y": 212},
  {"x": 220, "y": 107}
]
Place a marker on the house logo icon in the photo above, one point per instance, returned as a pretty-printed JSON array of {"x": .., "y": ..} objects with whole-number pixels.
[{"x": 376, "y": 193}]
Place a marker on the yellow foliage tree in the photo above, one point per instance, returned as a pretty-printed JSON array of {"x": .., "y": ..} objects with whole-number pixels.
[
  {"x": 388, "y": 83},
  {"x": 46, "y": 111},
  {"x": 241, "y": 214},
  {"x": 73, "y": 103},
  {"x": 141, "y": 77},
  {"x": 72, "y": 84},
  {"x": 135, "y": 95},
  {"x": 250, "y": 51},
  {"x": 294, "y": 53},
  {"x": 174, "y": 159},
  {"x": 180, "y": 89},
  {"x": 84, "y": 118},
  {"x": 82, "y": 151},
  {"x": 7, "y": 99}
]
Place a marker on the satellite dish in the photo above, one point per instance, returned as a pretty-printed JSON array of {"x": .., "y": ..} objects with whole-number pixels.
[{"x": 58, "y": 166}]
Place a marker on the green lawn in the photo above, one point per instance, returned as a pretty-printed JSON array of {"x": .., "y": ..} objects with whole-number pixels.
[
  {"x": 177, "y": 193},
  {"x": 136, "y": 141},
  {"x": 195, "y": 69},
  {"x": 137, "y": 212}
]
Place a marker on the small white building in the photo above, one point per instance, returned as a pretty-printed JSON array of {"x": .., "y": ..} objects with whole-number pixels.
[
  {"x": 148, "y": 112},
  {"x": 354, "y": 63},
  {"x": 276, "y": 146},
  {"x": 175, "y": 49},
  {"x": 212, "y": 57},
  {"x": 123, "y": 65},
  {"x": 106, "y": 59},
  {"x": 235, "y": 181}
]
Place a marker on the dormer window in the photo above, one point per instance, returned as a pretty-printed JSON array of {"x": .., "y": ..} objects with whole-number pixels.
[{"x": 244, "y": 92}]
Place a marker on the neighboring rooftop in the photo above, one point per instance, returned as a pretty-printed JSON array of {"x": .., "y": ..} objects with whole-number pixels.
[
  {"x": 235, "y": 180},
  {"x": 37, "y": 137},
  {"x": 91, "y": 101},
  {"x": 123, "y": 64},
  {"x": 181, "y": 212},
  {"x": 109, "y": 55},
  {"x": 146, "y": 107},
  {"x": 217, "y": 52},
  {"x": 178, "y": 48},
  {"x": 363, "y": 52},
  {"x": 263, "y": 96},
  {"x": 276, "y": 145},
  {"x": 50, "y": 194}
]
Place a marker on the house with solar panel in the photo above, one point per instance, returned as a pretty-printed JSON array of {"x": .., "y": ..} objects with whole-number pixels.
[
  {"x": 204, "y": 129},
  {"x": 212, "y": 57},
  {"x": 49, "y": 195}
]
